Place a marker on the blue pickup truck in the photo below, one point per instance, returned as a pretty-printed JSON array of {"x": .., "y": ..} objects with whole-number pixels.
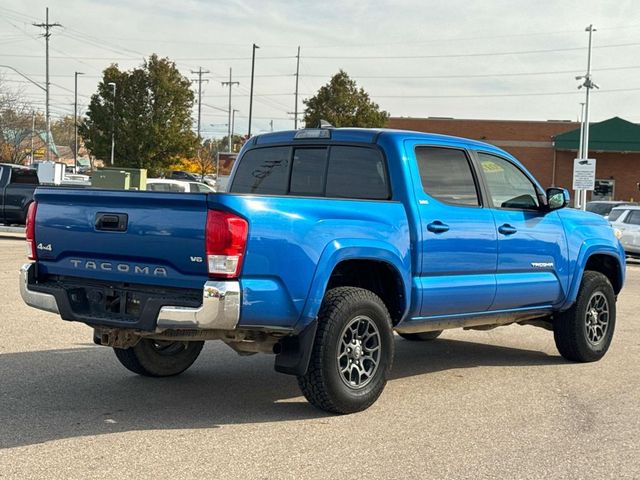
[{"x": 328, "y": 241}]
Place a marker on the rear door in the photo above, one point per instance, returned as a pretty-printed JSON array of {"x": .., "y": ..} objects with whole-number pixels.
[
  {"x": 532, "y": 249},
  {"x": 459, "y": 241}
]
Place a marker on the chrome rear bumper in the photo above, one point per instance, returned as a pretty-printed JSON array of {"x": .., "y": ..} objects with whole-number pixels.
[
  {"x": 41, "y": 301},
  {"x": 220, "y": 309}
]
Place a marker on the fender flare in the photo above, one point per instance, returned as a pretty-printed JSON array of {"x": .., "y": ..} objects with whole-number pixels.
[
  {"x": 340, "y": 250},
  {"x": 588, "y": 249},
  {"x": 296, "y": 350}
]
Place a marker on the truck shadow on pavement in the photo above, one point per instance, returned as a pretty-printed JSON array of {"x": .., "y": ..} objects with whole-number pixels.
[{"x": 84, "y": 391}]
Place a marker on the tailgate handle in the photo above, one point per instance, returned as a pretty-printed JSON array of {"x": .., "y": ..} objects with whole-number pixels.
[{"x": 112, "y": 222}]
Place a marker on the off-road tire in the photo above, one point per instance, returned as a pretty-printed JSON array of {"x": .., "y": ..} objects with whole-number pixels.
[
  {"x": 421, "y": 337},
  {"x": 570, "y": 327},
  {"x": 153, "y": 358},
  {"x": 324, "y": 385}
]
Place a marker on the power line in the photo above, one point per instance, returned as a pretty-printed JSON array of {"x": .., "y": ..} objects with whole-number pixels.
[
  {"x": 463, "y": 55},
  {"x": 473, "y": 75},
  {"x": 401, "y": 77},
  {"x": 482, "y": 95}
]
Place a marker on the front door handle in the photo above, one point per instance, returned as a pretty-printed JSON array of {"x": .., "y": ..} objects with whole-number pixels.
[
  {"x": 507, "y": 229},
  {"x": 437, "y": 227}
]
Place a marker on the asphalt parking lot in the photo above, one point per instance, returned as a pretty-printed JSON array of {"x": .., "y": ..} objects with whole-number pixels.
[{"x": 496, "y": 404}]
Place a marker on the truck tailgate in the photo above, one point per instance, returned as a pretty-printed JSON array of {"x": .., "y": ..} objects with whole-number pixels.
[{"x": 122, "y": 236}]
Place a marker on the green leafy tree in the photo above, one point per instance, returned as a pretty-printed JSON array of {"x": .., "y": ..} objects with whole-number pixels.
[
  {"x": 151, "y": 116},
  {"x": 341, "y": 103},
  {"x": 63, "y": 131}
]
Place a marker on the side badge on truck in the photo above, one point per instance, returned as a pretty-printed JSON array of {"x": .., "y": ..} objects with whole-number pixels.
[
  {"x": 46, "y": 247},
  {"x": 542, "y": 264},
  {"x": 196, "y": 259}
]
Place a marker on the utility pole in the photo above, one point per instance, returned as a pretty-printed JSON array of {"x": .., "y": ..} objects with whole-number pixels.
[
  {"x": 230, "y": 83},
  {"x": 200, "y": 72},
  {"x": 33, "y": 127},
  {"x": 46, "y": 35},
  {"x": 588, "y": 84},
  {"x": 295, "y": 110},
  {"x": 233, "y": 120},
  {"x": 75, "y": 121},
  {"x": 113, "y": 122},
  {"x": 253, "y": 66}
]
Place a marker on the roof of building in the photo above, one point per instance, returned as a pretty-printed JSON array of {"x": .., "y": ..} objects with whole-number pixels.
[
  {"x": 487, "y": 130},
  {"x": 612, "y": 135}
]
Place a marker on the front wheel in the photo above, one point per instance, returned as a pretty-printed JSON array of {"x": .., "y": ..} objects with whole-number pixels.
[
  {"x": 159, "y": 358},
  {"x": 584, "y": 332},
  {"x": 352, "y": 353}
]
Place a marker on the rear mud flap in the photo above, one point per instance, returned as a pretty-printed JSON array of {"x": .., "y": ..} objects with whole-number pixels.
[{"x": 296, "y": 351}]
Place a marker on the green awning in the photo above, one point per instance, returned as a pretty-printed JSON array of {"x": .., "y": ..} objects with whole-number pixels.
[{"x": 612, "y": 135}]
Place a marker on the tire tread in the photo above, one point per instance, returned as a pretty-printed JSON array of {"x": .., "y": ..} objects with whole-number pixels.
[
  {"x": 567, "y": 329},
  {"x": 313, "y": 383}
]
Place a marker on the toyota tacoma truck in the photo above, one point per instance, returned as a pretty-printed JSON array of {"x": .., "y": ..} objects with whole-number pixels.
[{"x": 328, "y": 241}]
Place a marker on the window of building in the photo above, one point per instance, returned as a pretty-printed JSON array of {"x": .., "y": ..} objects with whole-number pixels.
[{"x": 603, "y": 190}]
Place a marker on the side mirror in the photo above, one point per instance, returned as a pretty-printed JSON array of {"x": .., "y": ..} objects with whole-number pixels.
[{"x": 557, "y": 198}]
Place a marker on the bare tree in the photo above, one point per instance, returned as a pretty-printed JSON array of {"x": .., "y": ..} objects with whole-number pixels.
[{"x": 16, "y": 116}]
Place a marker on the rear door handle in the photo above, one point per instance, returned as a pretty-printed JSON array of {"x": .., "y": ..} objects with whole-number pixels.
[
  {"x": 437, "y": 227},
  {"x": 507, "y": 229}
]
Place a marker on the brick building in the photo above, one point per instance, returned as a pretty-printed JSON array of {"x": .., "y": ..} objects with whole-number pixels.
[{"x": 547, "y": 148}]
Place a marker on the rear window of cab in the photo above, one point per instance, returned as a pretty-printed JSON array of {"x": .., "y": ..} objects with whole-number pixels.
[{"x": 337, "y": 171}]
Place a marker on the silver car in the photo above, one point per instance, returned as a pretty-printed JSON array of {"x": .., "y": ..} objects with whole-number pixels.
[{"x": 627, "y": 220}]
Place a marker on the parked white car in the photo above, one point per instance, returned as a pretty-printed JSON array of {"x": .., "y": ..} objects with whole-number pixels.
[
  {"x": 168, "y": 185},
  {"x": 627, "y": 220}
]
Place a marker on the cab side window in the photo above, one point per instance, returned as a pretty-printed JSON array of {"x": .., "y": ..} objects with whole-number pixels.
[
  {"x": 633, "y": 217},
  {"x": 447, "y": 176},
  {"x": 508, "y": 186}
]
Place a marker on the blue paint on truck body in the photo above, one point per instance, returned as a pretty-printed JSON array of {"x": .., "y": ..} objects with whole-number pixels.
[{"x": 295, "y": 242}]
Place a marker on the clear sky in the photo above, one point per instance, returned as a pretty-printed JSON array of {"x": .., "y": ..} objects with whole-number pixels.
[{"x": 502, "y": 59}]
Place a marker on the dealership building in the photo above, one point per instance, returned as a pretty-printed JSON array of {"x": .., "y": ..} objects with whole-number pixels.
[{"x": 548, "y": 148}]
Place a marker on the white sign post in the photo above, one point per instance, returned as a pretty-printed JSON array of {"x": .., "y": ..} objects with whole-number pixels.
[{"x": 584, "y": 177}]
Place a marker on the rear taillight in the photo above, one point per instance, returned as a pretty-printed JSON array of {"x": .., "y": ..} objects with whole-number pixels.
[
  {"x": 225, "y": 241},
  {"x": 30, "y": 231}
]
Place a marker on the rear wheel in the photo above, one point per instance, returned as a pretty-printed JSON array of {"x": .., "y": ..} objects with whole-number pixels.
[
  {"x": 352, "y": 353},
  {"x": 421, "y": 337},
  {"x": 159, "y": 358},
  {"x": 584, "y": 332}
]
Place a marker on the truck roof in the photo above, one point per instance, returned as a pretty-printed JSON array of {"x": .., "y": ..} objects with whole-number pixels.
[{"x": 370, "y": 135}]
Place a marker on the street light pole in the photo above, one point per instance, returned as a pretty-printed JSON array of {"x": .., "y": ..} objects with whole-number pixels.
[
  {"x": 113, "y": 121},
  {"x": 75, "y": 121},
  {"x": 588, "y": 85},
  {"x": 295, "y": 110},
  {"x": 253, "y": 66}
]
